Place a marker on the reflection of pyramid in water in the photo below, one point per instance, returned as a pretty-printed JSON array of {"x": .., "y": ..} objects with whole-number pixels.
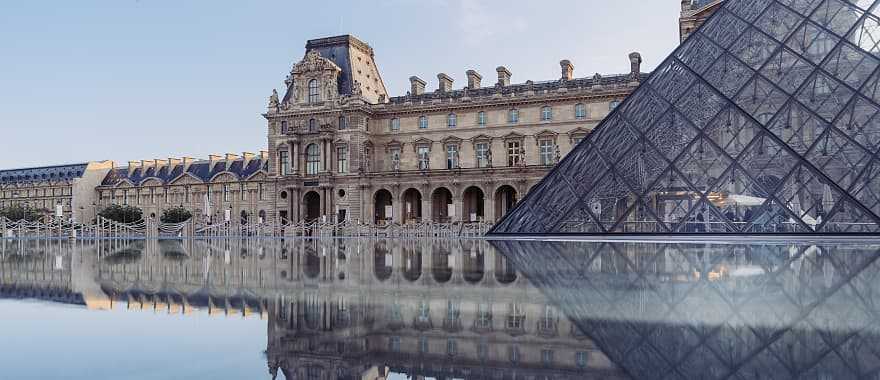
[{"x": 766, "y": 120}]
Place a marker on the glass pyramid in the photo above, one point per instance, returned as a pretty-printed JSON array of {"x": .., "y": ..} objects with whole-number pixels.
[{"x": 766, "y": 120}]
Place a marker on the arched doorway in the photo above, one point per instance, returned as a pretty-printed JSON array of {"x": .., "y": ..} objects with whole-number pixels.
[
  {"x": 412, "y": 206},
  {"x": 441, "y": 200},
  {"x": 505, "y": 199},
  {"x": 474, "y": 201},
  {"x": 383, "y": 209},
  {"x": 312, "y": 206}
]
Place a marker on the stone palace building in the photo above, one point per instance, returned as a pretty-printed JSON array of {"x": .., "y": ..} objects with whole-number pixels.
[{"x": 341, "y": 148}]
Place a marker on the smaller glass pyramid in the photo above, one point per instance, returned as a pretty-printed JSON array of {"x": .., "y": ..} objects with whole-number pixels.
[{"x": 766, "y": 120}]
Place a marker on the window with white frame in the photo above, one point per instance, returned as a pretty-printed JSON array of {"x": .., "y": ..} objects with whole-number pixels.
[
  {"x": 548, "y": 151},
  {"x": 451, "y": 120},
  {"x": 580, "y": 111},
  {"x": 313, "y": 159},
  {"x": 342, "y": 159},
  {"x": 513, "y": 115},
  {"x": 314, "y": 94},
  {"x": 546, "y": 113},
  {"x": 451, "y": 156},
  {"x": 394, "y": 125},
  {"x": 482, "y": 151},
  {"x": 423, "y": 122},
  {"x": 514, "y": 153},
  {"x": 481, "y": 118}
]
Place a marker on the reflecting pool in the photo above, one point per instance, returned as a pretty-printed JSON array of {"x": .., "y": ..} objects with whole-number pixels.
[{"x": 437, "y": 309}]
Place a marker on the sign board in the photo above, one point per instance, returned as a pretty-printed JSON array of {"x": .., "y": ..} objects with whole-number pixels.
[
  {"x": 473, "y": 217},
  {"x": 389, "y": 212},
  {"x": 388, "y": 260},
  {"x": 59, "y": 210},
  {"x": 310, "y": 183},
  {"x": 227, "y": 215},
  {"x": 450, "y": 210}
]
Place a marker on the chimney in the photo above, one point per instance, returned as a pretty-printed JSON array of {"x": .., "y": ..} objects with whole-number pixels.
[
  {"x": 172, "y": 163},
  {"x": 503, "y": 76},
  {"x": 635, "y": 60},
  {"x": 187, "y": 161},
  {"x": 132, "y": 165},
  {"x": 418, "y": 85},
  {"x": 567, "y": 69},
  {"x": 214, "y": 159},
  {"x": 474, "y": 79},
  {"x": 264, "y": 155},
  {"x": 247, "y": 157},
  {"x": 160, "y": 163},
  {"x": 445, "y": 83},
  {"x": 230, "y": 158}
]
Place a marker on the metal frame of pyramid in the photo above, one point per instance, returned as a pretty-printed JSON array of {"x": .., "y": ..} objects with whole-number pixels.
[{"x": 766, "y": 120}]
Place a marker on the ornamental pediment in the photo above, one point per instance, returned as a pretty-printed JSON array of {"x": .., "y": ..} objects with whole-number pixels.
[{"x": 314, "y": 62}]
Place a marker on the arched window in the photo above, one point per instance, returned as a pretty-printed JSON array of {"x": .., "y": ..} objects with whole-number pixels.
[
  {"x": 314, "y": 95},
  {"x": 423, "y": 122},
  {"x": 513, "y": 115},
  {"x": 313, "y": 125},
  {"x": 546, "y": 113},
  {"x": 451, "y": 120},
  {"x": 313, "y": 159},
  {"x": 580, "y": 111}
]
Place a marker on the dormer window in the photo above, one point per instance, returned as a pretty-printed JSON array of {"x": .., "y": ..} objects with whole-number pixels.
[{"x": 314, "y": 95}]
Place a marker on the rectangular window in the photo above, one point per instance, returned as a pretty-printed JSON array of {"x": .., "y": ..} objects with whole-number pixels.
[
  {"x": 423, "y": 345},
  {"x": 451, "y": 156},
  {"x": 481, "y": 118},
  {"x": 283, "y": 162},
  {"x": 514, "y": 153},
  {"x": 395, "y": 125},
  {"x": 186, "y": 193},
  {"x": 423, "y": 122},
  {"x": 284, "y": 129},
  {"x": 580, "y": 359},
  {"x": 423, "y": 157},
  {"x": 260, "y": 191},
  {"x": 575, "y": 141},
  {"x": 482, "y": 150},
  {"x": 243, "y": 192},
  {"x": 547, "y": 357},
  {"x": 546, "y": 113},
  {"x": 451, "y": 347},
  {"x": 225, "y": 193},
  {"x": 513, "y": 116},
  {"x": 342, "y": 159},
  {"x": 343, "y": 124},
  {"x": 580, "y": 111},
  {"x": 394, "y": 344},
  {"x": 548, "y": 151}
]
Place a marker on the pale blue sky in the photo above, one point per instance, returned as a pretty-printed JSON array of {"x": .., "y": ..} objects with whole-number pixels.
[{"x": 139, "y": 79}]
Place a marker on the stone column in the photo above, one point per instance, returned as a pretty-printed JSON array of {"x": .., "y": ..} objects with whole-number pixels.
[
  {"x": 294, "y": 157},
  {"x": 489, "y": 204}
]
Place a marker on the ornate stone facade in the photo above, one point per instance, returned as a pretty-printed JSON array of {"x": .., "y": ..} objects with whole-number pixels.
[
  {"x": 341, "y": 149},
  {"x": 694, "y": 13}
]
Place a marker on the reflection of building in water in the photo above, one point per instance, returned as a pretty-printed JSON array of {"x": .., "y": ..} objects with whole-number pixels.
[
  {"x": 344, "y": 308},
  {"x": 717, "y": 311}
]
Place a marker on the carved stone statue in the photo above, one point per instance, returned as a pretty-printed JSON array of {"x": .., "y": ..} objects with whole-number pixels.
[
  {"x": 395, "y": 163},
  {"x": 273, "y": 100},
  {"x": 356, "y": 89},
  {"x": 489, "y": 158},
  {"x": 558, "y": 154},
  {"x": 522, "y": 157},
  {"x": 426, "y": 161}
]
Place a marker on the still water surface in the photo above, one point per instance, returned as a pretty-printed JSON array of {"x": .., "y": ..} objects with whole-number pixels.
[{"x": 437, "y": 309}]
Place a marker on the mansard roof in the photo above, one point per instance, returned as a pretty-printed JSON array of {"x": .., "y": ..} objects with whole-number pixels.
[
  {"x": 766, "y": 120},
  {"x": 44, "y": 173},
  {"x": 201, "y": 170}
]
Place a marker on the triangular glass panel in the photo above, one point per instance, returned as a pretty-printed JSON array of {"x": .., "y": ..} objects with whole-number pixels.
[{"x": 765, "y": 121}]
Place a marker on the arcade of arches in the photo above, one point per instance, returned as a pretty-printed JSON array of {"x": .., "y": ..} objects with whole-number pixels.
[{"x": 402, "y": 204}]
